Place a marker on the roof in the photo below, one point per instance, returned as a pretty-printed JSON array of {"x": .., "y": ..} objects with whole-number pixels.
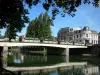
[{"x": 93, "y": 31}]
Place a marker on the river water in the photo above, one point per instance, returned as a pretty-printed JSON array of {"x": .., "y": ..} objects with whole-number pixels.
[{"x": 30, "y": 59}]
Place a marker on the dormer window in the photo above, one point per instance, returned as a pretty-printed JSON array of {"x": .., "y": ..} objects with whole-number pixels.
[{"x": 86, "y": 28}]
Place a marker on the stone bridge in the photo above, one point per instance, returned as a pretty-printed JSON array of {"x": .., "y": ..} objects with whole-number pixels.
[{"x": 64, "y": 49}]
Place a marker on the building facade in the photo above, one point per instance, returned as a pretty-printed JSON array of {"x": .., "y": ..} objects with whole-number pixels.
[
  {"x": 63, "y": 34},
  {"x": 66, "y": 34},
  {"x": 79, "y": 35}
]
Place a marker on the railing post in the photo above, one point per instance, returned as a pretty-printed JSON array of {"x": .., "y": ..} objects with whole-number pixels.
[
  {"x": 4, "y": 56},
  {"x": 67, "y": 55}
]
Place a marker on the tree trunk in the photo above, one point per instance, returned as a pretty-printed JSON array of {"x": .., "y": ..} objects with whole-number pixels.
[{"x": 9, "y": 39}]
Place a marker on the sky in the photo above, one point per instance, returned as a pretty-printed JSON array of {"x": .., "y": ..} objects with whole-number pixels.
[{"x": 86, "y": 15}]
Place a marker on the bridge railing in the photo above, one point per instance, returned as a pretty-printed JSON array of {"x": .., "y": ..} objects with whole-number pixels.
[
  {"x": 54, "y": 42},
  {"x": 48, "y": 42}
]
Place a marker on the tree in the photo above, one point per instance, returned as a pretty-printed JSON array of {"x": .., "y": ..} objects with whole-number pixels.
[
  {"x": 40, "y": 27},
  {"x": 30, "y": 29},
  {"x": 14, "y": 11},
  {"x": 47, "y": 22},
  {"x": 10, "y": 32}
]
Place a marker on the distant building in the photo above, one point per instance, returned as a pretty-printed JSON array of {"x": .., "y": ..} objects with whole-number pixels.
[
  {"x": 86, "y": 35},
  {"x": 66, "y": 34},
  {"x": 63, "y": 33},
  {"x": 78, "y": 34}
]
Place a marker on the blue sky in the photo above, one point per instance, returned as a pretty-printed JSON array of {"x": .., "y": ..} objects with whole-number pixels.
[{"x": 86, "y": 15}]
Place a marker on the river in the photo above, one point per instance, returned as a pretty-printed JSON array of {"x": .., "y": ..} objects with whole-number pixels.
[{"x": 30, "y": 59}]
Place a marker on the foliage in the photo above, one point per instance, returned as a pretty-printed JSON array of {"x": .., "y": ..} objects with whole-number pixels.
[
  {"x": 10, "y": 32},
  {"x": 40, "y": 27},
  {"x": 13, "y": 12},
  {"x": 30, "y": 28}
]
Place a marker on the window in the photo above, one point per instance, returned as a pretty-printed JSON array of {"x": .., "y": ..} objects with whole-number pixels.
[
  {"x": 80, "y": 35},
  {"x": 86, "y": 35},
  {"x": 92, "y": 41},
  {"x": 74, "y": 37},
  {"x": 77, "y": 36},
  {"x": 97, "y": 42}
]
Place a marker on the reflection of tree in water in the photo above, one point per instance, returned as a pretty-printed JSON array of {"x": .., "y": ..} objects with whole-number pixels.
[
  {"x": 34, "y": 58},
  {"x": 17, "y": 56},
  {"x": 41, "y": 58}
]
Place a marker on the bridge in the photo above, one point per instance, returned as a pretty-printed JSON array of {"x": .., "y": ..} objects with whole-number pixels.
[
  {"x": 64, "y": 49},
  {"x": 12, "y": 44}
]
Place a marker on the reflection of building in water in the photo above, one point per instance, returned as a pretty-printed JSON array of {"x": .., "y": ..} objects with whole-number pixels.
[
  {"x": 78, "y": 34},
  {"x": 19, "y": 57},
  {"x": 22, "y": 57}
]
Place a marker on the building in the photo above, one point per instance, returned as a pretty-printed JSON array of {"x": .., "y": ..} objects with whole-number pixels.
[
  {"x": 63, "y": 33},
  {"x": 86, "y": 35},
  {"x": 66, "y": 34},
  {"x": 79, "y": 35}
]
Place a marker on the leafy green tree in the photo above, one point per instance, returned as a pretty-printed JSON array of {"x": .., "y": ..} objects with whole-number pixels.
[
  {"x": 40, "y": 27},
  {"x": 47, "y": 22},
  {"x": 10, "y": 32},
  {"x": 15, "y": 12},
  {"x": 30, "y": 29}
]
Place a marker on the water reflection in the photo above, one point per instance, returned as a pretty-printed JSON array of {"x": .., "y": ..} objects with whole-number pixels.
[
  {"x": 21, "y": 59},
  {"x": 31, "y": 59},
  {"x": 18, "y": 58},
  {"x": 54, "y": 73}
]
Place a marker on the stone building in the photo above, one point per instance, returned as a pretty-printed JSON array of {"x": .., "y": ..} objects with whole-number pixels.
[
  {"x": 63, "y": 34},
  {"x": 66, "y": 34},
  {"x": 78, "y": 35},
  {"x": 86, "y": 35}
]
